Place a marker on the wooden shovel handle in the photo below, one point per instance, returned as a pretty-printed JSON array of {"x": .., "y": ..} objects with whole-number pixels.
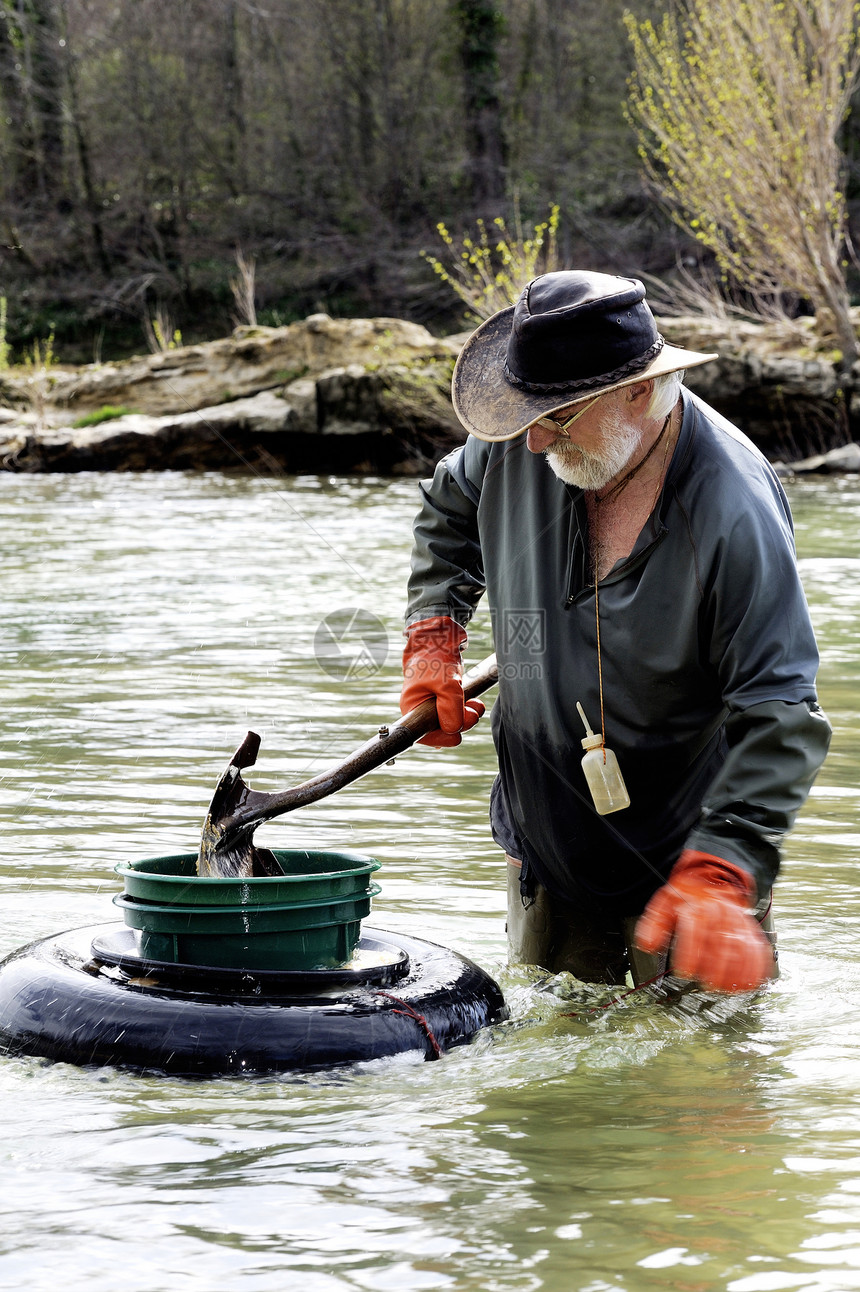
[
  {"x": 388, "y": 742},
  {"x": 422, "y": 719}
]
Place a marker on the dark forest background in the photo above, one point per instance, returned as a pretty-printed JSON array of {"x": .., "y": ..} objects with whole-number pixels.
[{"x": 144, "y": 142}]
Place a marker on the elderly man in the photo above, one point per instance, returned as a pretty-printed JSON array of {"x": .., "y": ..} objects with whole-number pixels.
[{"x": 637, "y": 553}]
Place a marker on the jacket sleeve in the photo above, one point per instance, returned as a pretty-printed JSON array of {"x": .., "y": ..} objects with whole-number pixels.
[
  {"x": 447, "y": 568},
  {"x": 762, "y": 648},
  {"x": 775, "y": 751}
]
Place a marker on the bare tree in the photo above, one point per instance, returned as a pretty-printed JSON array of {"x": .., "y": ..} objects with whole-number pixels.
[
  {"x": 21, "y": 172},
  {"x": 738, "y": 104},
  {"x": 480, "y": 26},
  {"x": 234, "y": 110},
  {"x": 31, "y": 81},
  {"x": 140, "y": 143}
]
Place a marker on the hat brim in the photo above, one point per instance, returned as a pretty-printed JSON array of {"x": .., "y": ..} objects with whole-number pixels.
[{"x": 491, "y": 408}]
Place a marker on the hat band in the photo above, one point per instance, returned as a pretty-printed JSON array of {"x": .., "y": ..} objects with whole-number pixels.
[{"x": 586, "y": 384}]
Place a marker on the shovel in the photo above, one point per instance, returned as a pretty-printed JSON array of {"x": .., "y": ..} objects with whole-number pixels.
[{"x": 227, "y": 843}]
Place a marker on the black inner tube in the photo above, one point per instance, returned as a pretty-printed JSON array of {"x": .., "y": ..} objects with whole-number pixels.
[{"x": 60, "y": 1002}]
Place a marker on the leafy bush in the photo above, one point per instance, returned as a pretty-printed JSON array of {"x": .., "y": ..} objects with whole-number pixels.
[{"x": 490, "y": 271}]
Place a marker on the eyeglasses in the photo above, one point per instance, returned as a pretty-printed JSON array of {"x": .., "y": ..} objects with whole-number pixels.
[{"x": 562, "y": 428}]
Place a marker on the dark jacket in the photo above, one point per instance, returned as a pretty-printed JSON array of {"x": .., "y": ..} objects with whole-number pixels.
[{"x": 708, "y": 654}]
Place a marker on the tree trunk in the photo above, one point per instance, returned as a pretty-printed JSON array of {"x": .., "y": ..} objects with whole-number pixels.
[
  {"x": 47, "y": 97},
  {"x": 23, "y": 181},
  {"x": 480, "y": 25},
  {"x": 233, "y": 94}
]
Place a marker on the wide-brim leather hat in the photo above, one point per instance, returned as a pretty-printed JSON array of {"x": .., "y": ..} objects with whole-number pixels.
[{"x": 571, "y": 335}]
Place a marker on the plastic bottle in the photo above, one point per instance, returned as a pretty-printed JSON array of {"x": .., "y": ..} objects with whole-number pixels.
[{"x": 602, "y": 772}]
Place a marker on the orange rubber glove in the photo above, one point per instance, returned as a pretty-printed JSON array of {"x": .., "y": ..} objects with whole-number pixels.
[
  {"x": 432, "y": 667},
  {"x": 703, "y": 913}
]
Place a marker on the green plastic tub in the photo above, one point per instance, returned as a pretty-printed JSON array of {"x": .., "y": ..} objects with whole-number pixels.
[
  {"x": 305, "y": 935},
  {"x": 308, "y": 876},
  {"x": 308, "y": 918}
]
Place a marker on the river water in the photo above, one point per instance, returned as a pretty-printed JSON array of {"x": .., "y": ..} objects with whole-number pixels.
[{"x": 148, "y": 622}]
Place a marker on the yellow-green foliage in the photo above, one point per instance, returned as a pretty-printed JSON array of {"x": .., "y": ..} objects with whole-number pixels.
[
  {"x": 38, "y": 365},
  {"x": 40, "y": 359},
  {"x": 166, "y": 338},
  {"x": 489, "y": 271},
  {"x": 737, "y": 105}
]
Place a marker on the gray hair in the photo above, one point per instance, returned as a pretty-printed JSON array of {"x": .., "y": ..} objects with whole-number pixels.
[{"x": 664, "y": 396}]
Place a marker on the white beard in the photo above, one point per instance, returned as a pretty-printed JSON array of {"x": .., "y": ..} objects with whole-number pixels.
[{"x": 576, "y": 466}]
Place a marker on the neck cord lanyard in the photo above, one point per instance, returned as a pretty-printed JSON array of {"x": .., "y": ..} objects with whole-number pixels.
[{"x": 613, "y": 493}]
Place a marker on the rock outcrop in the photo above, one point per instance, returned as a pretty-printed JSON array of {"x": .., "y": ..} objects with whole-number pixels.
[
  {"x": 372, "y": 395},
  {"x": 780, "y": 385},
  {"x": 844, "y": 460},
  {"x": 368, "y": 395}
]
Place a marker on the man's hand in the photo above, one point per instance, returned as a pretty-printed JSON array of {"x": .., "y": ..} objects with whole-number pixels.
[
  {"x": 432, "y": 667},
  {"x": 703, "y": 913}
]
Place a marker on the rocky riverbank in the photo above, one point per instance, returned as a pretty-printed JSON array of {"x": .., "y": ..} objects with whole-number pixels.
[{"x": 372, "y": 396}]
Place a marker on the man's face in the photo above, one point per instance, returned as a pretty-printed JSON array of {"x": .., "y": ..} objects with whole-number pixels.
[{"x": 601, "y": 443}]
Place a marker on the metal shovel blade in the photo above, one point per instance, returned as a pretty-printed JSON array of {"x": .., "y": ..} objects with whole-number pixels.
[{"x": 227, "y": 842}]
